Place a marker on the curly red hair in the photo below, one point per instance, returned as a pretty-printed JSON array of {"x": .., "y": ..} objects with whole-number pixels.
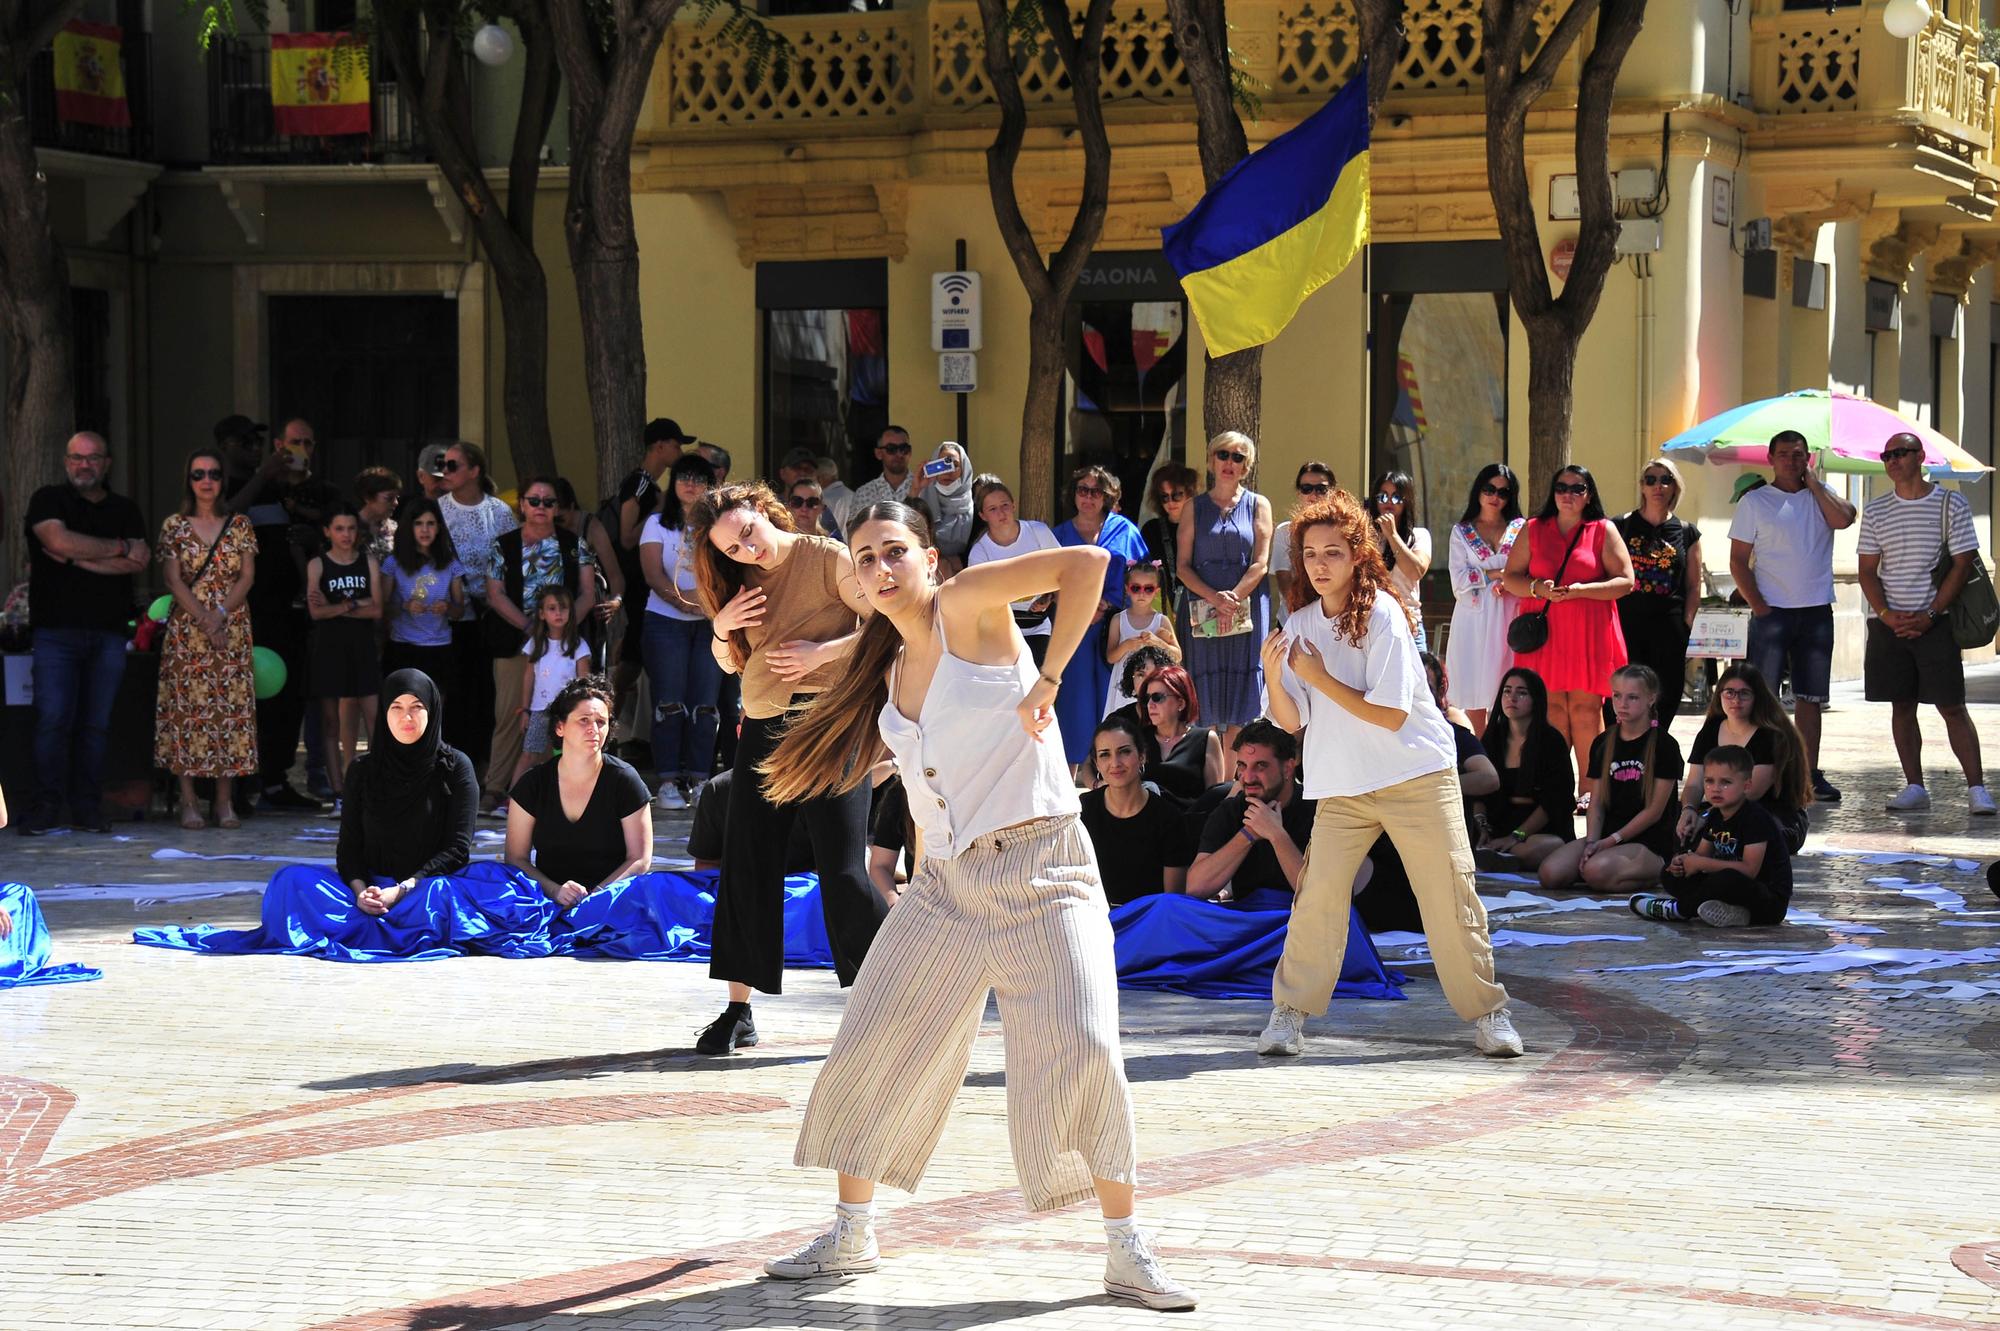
[{"x": 1344, "y": 513}]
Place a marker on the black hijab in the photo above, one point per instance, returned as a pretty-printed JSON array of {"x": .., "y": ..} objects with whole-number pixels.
[{"x": 399, "y": 774}]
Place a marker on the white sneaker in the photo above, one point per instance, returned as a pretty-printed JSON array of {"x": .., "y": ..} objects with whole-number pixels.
[
  {"x": 1979, "y": 802},
  {"x": 1722, "y": 915},
  {"x": 1132, "y": 1272},
  {"x": 670, "y": 799},
  {"x": 847, "y": 1248},
  {"x": 1494, "y": 1035},
  {"x": 1912, "y": 799},
  {"x": 1284, "y": 1033}
]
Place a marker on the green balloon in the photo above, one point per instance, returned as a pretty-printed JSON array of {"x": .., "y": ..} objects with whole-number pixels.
[
  {"x": 160, "y": 608},
  {"x": 268, "y": 669}
]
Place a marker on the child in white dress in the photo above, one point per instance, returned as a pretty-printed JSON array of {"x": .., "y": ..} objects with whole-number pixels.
[{"x": 1140, "y": 624}]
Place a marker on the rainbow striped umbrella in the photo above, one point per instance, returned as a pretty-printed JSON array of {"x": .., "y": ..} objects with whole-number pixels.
[{"x": 1846, "y": 431}]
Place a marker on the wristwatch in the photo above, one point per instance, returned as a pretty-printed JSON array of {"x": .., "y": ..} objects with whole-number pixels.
[{"x": 1936, "y": 615}]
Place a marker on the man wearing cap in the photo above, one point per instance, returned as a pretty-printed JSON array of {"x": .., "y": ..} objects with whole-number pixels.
[
  {"x": 84, "y": 545},
  {"x": 1781, "y": 556},
  {"x": 430, "y": 471}
]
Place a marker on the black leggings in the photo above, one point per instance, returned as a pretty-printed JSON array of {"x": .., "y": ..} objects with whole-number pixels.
[
  {"x": 1659, "y": 641},
  {"x": 749, "y": 943},
  {"x": 1765, "y": 905}
]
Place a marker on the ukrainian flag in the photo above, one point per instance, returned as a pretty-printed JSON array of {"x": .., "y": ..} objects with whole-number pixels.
[{"x": 1278, "y": 227}]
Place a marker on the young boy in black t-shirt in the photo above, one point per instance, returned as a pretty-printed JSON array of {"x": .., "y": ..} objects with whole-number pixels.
[{"x": 1741, "y": 871}]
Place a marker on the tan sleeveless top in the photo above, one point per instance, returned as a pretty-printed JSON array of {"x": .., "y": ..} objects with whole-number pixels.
[{"x": 802, "y": 603}]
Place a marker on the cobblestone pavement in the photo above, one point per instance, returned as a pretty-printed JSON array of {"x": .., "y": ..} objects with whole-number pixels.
[{"x": 275, "y": 1143}]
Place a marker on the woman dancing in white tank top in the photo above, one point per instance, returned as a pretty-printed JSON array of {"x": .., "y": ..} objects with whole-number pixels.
[{"x": 1006, "y": 898}]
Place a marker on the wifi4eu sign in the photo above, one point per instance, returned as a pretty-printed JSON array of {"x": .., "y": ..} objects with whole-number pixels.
[{"x": 954, "y": 311}]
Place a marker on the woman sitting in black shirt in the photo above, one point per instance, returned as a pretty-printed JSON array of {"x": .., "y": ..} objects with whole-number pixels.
[
  {"x": 1189, "y": 758},
  {"x": 1531, "y": 815},
  {"x": 582, "y": 820},
  {"x": 1743, "y": 711},
  {"x": 1139, "y": 836},
  {"x": 410, "y": 802}
]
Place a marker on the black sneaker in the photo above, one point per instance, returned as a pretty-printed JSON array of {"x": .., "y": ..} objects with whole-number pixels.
[
  {"x": 1656, "y": 906},
  {"x": 285, "y": 798},
  {"x": 729, "y": 1032},
  {"x": 91, "y": 822},
  {"x": 1824, "y": 790},
  {"x": 39, "y": 822}
]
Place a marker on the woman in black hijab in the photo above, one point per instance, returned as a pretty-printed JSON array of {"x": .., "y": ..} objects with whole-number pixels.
[{"x": 410, "y": 803}]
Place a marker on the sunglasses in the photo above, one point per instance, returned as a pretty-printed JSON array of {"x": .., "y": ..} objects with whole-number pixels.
[
  {"x": 204, "y": 473},
  {"x": 1570, "y": 488},
  {"x": 900, "y": 450},
  {"x": 1095, "y": 491},
  {"x": 1498, "y": 491},
  {"x": 450, "y": 465},
  {"x": 1889, "y": 454},
  {"x": 538, "y": 501},
  {"x": 1154, "y": 698},
  {"x": 1231, "y": 455},
  {"x": 1314, "y": 489},
  {"x": 803, "y": 504},
  {"x": 1392, "y": 500},
  {"x": 1654, "y": 481},
  {"x": 1172, "y": 496}
]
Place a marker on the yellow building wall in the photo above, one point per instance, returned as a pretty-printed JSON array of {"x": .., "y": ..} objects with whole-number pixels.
[{"x": 701, "y": 321}]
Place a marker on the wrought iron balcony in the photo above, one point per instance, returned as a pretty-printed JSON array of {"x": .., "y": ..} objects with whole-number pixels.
[
  {"x": 242, "y": 129},
  {"x": 50, "y": 130}
]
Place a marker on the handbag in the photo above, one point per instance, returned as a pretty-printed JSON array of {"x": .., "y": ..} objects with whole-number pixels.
[
  {"x": 1974, "y": 614},
  {"x": 1529, "y": 631}
]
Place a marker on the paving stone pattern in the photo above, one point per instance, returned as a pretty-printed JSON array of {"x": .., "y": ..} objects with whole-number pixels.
[{"x": 267, "y": 1142}]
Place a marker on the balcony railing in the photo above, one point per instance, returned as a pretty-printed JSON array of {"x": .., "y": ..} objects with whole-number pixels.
[
  {"x": 1845, "y": 60},
  {"x": 242, "y": 129},
  {"x": 135, "y": 55},
  {"x": 888, "y": 69}
]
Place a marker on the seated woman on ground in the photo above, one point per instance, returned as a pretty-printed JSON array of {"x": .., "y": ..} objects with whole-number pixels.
[
  {"x": 1635, "y": 769},
  {"x": 583, "y": 820},
  {"x": 1743, "y": 711},
  {"x": 1532, "y": 815},
  {"x": 1139, "y": 838},
  {"x": 1189, "y": 759}
]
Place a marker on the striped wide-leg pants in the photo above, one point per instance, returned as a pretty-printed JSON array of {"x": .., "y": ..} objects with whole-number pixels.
[{"x": 1020, "y": 912}]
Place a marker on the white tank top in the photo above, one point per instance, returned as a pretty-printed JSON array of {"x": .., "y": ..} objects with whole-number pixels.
[{"x": 969, "y": 767}]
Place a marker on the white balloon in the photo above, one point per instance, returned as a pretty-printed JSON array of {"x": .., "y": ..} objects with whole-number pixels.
[
  {"x": 493, "y": 44},
  {"x": 1906, "y": 18}
]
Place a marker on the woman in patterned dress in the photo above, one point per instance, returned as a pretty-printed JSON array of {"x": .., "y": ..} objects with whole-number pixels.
[
  {"x": 207, "y": 715},
  {"x": 1476, "y": 654}
]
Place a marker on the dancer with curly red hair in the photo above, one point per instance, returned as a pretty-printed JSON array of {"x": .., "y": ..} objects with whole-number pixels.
[{"x": 1379, "y": 758}]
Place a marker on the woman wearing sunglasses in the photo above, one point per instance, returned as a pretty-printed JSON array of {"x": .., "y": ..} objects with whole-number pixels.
[
  {"x": 1406, "y": 542},
  {"x": 1572, "y": 567},
  {"x": 1314, "y": 481},
  {"x": 1087, "y": 678},
  {"x": 1225, "y": 551},
  {"x": 1666, "y": 583},
  {"x": 1476, "y": 651}
]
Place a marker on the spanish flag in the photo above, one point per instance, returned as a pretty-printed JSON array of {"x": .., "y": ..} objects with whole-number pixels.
[
  {"x": 317, "y": 88},
  {"x": 1278, "y": 227},
  {"x": 89, "y": 77}
]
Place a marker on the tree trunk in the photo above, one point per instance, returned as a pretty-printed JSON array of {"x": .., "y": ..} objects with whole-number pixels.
[
  {"x": 40, "y": 410},
  {"x": 507, "y": 238},
  {"x": 1046, "y": 364},
  {"x": 1551, "y": 397},
  {"x": 608, "y": 73}
]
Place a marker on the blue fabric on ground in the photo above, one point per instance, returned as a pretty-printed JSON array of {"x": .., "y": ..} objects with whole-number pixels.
[
  {"x": 25, "y": 953},
  {"x": 670, "y": 916},
  {"x": 1184, "y": 945}
]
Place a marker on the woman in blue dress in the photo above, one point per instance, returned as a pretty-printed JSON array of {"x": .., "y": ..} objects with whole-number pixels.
[
  {"x": 1087, "y": 677},
  {"x": 1225, "y": 550}
]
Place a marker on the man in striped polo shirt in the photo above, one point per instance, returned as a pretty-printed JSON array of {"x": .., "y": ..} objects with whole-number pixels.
[{"x": 1912, "y": 657}]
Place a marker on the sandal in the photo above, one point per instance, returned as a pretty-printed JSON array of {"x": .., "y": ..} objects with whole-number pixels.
[
  {"x": 226, "y": 819},
  {"x": 191, "y": 818}
]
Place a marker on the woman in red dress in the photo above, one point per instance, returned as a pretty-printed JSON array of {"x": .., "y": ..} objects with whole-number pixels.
[{"x": 1575, "y": 564}]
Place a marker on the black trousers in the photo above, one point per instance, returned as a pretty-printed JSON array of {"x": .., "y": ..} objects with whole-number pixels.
[
  {"x": 749, "y": 945},
  {"x": 279, "y": 716},
  {"x": 1659, "y": 641},
  {"x": 468, "y": 695},
  {"x": 440, "y": 663},
  {"x": 1733, "y": 886}
]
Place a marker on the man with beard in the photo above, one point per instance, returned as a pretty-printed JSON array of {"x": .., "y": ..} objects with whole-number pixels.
[{"x": 1254, "y": 841}]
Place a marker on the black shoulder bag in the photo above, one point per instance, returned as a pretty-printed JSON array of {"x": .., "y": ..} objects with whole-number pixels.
[{"x": 1530, "y": 630}]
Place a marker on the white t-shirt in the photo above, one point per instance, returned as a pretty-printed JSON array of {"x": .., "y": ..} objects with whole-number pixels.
[
  {"x": 1345, "y": 755},
  {"x": 555, "y": 669},
  {"x": 673, "y": 555},
  {"x": 1907, "y": 533},
  {"x": 1794, "y": 559},
  {"x": 1034, "y": 536},
  {"x": 1420, "y": 541},
  {"x": 474, "y": 528}
]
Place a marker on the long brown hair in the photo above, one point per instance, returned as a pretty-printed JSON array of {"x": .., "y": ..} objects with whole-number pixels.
[
  {"x": 1790, "y": 782},
  {"x": 717, "y": 577},
  {"x": 1343, "y": 512},
  {"x": 1649, "y": 681},
  {"x": 187, "y": 485},
  {"x": 829, "y": 745}
]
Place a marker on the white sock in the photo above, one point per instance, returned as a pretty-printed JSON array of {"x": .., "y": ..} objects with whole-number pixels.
[
  {"x": 1117, "y": 1225},
  {"x": 856, "y": 1210}
]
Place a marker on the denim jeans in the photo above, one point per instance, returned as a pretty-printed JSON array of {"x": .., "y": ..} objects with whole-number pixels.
[
  {"x": 77, "y": 672},
  {"x": 685, "y": 681}
]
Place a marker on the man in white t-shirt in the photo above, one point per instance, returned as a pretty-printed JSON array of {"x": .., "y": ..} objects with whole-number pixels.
[
  {"x": 1912, "y": 657},
  {"x": 1781, "y": 556}
]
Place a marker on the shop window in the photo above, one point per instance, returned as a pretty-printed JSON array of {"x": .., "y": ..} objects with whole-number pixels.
[
  {"x": 826, "y": 361},
  {"x": 1127, "y": 376}
]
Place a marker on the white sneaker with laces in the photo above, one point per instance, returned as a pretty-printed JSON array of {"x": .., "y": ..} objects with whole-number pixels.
[
  {"x": 1979, "y": 802},
  {"x": 670, "y": 799},
  {"x": 1284, "y": 1033},
  {"x": 1131, "y": 1271},
  {"x": 847, "y": 1248},
  {"x": 1913, "y": 798},
  {"x": 1722, "y": 915},
  {"x": 1494, "y": 1035}
]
